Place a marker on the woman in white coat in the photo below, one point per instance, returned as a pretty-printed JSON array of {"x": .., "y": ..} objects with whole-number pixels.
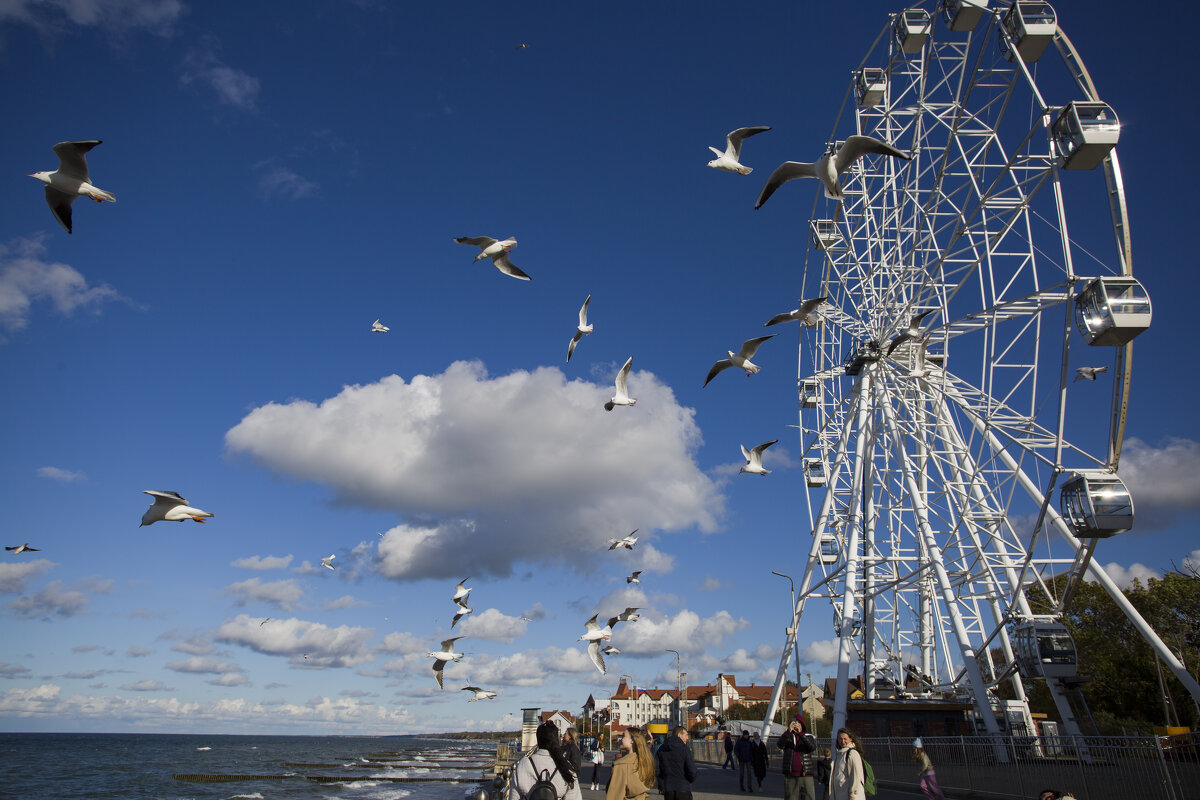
[
  {"x": 847, "y": 776},
  {"x": 546, "y": 757}
]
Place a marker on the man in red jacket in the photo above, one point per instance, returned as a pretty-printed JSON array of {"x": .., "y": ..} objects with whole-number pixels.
[{"x": 797, "y": 745}]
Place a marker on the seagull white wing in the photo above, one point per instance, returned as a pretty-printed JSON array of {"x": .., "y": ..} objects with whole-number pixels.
[
  {"x": 505, "y": 265},
  {"x": 71, "y": 158},
  {"x": 750, "y": 346},
  {"x": 163, "y": 497},
  {"x": 785, "y": 317},
  {"x": 723, "y": 364},
  {"x": 481, "y": 242},
  {"x": 583, "y": 312},
  {"x": 759, "y": 450},
  {"x": 745, "y": 452},
  {"x": 733, "y": 140},
  {"x": 571, "y": 347},
  {"x": 622, "y": 379},
  {"x": 596, "y": 657},
  {"x": 809, "y": 306},
  {"x": 787, "y": 171},
  {"x": 446, "y": 645},
  {"x": 858, "y": 146}
]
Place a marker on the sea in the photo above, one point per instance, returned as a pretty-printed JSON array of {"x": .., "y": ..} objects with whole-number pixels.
[{"x": 134, "y": 766}]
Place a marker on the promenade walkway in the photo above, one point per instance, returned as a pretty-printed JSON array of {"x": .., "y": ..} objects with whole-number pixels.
[{"x": 714, "y": 783}]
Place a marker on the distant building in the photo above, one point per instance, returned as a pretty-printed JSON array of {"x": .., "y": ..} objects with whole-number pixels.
[
  {"x": 636, "y": 706},
  {"x": 561, "y": 719}
]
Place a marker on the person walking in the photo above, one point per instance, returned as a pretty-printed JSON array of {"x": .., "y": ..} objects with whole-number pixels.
[
  {"x": 797, "y": 745},
  {"x": 728, "y": 752},
  {"x": 745, "y": 757},
  {"x": 597, "y": 765},
  {"x": 632, "y": 773},
  {"x": 759, "y": 759},
  {"x": 929, "y": 781},
  {"x": 847, "y": 777},
  {"x": 547, "y": 758},
  {"x": 821, "y": 769},
  {"x": 676, "y": 768},
  {"x": 570, "y": 744}
]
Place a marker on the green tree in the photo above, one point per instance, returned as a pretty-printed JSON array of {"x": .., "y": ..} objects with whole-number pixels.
[{"x": 1124, "y": 689}]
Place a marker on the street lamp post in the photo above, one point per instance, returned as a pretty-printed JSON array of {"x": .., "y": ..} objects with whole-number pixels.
[
  {"x": 791, "y": 631},
  {"x": 678, "y": 707}
]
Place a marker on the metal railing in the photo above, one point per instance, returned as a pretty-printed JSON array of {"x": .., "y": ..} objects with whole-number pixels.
[{"x": 1091, "y": 767}]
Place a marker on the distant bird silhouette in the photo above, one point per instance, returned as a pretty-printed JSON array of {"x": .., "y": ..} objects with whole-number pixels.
[
  {"x": 634, "y": 578},
  {"x": 1088, "y": 373},
  {"x": 23, "y": 548},
  {"x": 379, "y": 327},
  {"x": 327, "y": 561},
  {"x": 582, "y": 329}
]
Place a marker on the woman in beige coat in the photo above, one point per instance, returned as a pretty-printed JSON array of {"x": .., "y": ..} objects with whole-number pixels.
[
  {"x": 847, "y": 776},
  {"x": 632, "y": 773}
]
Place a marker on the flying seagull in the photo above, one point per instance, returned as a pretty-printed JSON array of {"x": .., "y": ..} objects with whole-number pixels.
[
  {"x": 461, "y": 612},
  {"x": 172, "y": 507},
  {"x": 611, "y": 651},
  {"x": 740, "y": 359},
  {"x": 1088, "y": 373},
  {"x": 583, "y": 329},
  {"x": 443, "y": 657},
  {"x": 264, "y": 622},
  {"x": 919, "y": 370},
  {"x": 828, "y": 167},
  {"x": 634, "y": 578},
  {"x": 70, "y": 180},
  {"x": 23, "y": 548},
  {"x": 497, "y": 251},
  {"x": 754, "y": 459},
  {"x": 480, "y": 694},
  {"x": 729, "y": 160},
  {"x": 622, "y": 398},
  {"x": 594, "y": 635},
  {"x": 627, "y": 542},
  {"x": 523, "y": 46},
  {"x": 807, "y": 314},
  {"x": 461, "y": 591},
  {"x": 913, "y": 332},
  {"x": 379, "y": 327},
  {"x": 628, "y": 615},
  {"x": 327, "y": 561}
]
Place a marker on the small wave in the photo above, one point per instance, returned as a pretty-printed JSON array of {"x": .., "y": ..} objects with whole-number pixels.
[
  {"x": 255, "y": 796},
  {"x": 204, "y": 748}
]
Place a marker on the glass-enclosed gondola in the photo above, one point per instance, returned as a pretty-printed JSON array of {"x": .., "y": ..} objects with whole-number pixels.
[
  {"x": 963, "y": 15},
  {"x": 1030, "y": 27},
  {"x": 1097, "y": 505},
  {"x": 1084, "y": 133},
  {"x": 1044, "y": 650},
  {"x": 1112, "y": 310}
]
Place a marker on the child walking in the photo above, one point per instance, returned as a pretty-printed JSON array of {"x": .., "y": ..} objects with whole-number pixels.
[{"x": 929, "y": 783}]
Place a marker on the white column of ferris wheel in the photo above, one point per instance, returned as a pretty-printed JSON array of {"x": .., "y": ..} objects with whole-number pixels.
[
  {"x": 962, "y": 462},
  {"x": 921, "y": 512},
  {"x": 1139, "y": 622},
  {"x": 839, "y": 460},
  {"x": 846, "y": 644}
]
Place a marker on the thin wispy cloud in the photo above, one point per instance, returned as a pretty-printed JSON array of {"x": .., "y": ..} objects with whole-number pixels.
[
  {"x": 15, "y": 577},
  {"x": 283, "y": 594},
  {"x": 263, "y": 562},
  {"x": 63, "y": 475},
  {"x": 231, "y": 86},
  {"x": 27, "y": 279},
  {"x": 48, "y": 16},
  {"x": 281, "y": 182},
  {"x": 51, "y": 601},
  {"x": 499, "y": 493}
]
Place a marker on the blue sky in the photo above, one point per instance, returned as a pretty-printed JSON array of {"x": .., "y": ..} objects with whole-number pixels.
[{"x": 284, "y": 177}]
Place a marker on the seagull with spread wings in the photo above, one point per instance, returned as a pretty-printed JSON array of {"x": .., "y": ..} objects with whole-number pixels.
[
  {"x": 753, "y": 458},
  {"x": 829, "y": 167},
  {"x": 739, "y": 359},
  {"x": 497, "y": 251},
  {"x": 70, "y": 180},
  {"x": 730, "y": 160}
]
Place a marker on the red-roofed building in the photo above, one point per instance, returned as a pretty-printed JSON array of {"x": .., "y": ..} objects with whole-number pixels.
[
  {"x": 561, "y": 719},
  {"x": 636, "y": 706}
]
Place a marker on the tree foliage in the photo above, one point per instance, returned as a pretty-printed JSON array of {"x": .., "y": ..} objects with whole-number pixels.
[{"x": 1124, "y": 689}]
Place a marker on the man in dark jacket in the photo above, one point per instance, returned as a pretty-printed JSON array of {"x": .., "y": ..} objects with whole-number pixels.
[
  {"x": 797, "y": 745},
  {"x": 744, "y": 751},
  {"x": 676, "y": 769},
  {"x": 728, "y": 751}
]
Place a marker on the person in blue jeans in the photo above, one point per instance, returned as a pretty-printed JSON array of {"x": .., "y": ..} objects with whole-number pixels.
[{"x": 728, "y": 752}]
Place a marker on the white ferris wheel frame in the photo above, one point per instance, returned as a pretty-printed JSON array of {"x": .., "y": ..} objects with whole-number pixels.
[{"x": 940, "y": 459}]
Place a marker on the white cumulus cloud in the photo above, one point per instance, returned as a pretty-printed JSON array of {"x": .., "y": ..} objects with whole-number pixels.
[
  {"x": 283, "y": 594},
  {"x": 1164, "y": 481},
  {"x": 13, "y": 577},
  {"x": 25, "y": 278},
  {"x": 486, "y": 470},
  {"x": 492, "y": 625},
  {"x": 1125, "y": 576},
  {"x": 309, "y": 644},
  {"x": 823, "y": 652}
]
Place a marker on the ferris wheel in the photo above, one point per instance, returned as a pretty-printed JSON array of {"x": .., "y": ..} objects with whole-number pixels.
[{"x": 957, "y": 457}]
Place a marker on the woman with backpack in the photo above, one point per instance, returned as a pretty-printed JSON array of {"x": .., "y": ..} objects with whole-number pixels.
[
  {"x": 632, "y": 773},
  {"x": 545, "y": 773},
  {"x": 847, "y": 776}
]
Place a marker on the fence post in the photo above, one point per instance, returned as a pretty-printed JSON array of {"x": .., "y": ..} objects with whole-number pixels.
[
  {"x": 962, "y": 743},
  {"x": 1016, "y": 759},
  {"x": 1079, "y": 751}
]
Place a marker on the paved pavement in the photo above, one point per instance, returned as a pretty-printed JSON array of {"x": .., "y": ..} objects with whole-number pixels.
[{"x": 714, "y": 783}]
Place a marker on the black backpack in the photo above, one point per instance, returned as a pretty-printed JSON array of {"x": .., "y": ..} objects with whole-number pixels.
[{"x": 543, "y": 789}]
